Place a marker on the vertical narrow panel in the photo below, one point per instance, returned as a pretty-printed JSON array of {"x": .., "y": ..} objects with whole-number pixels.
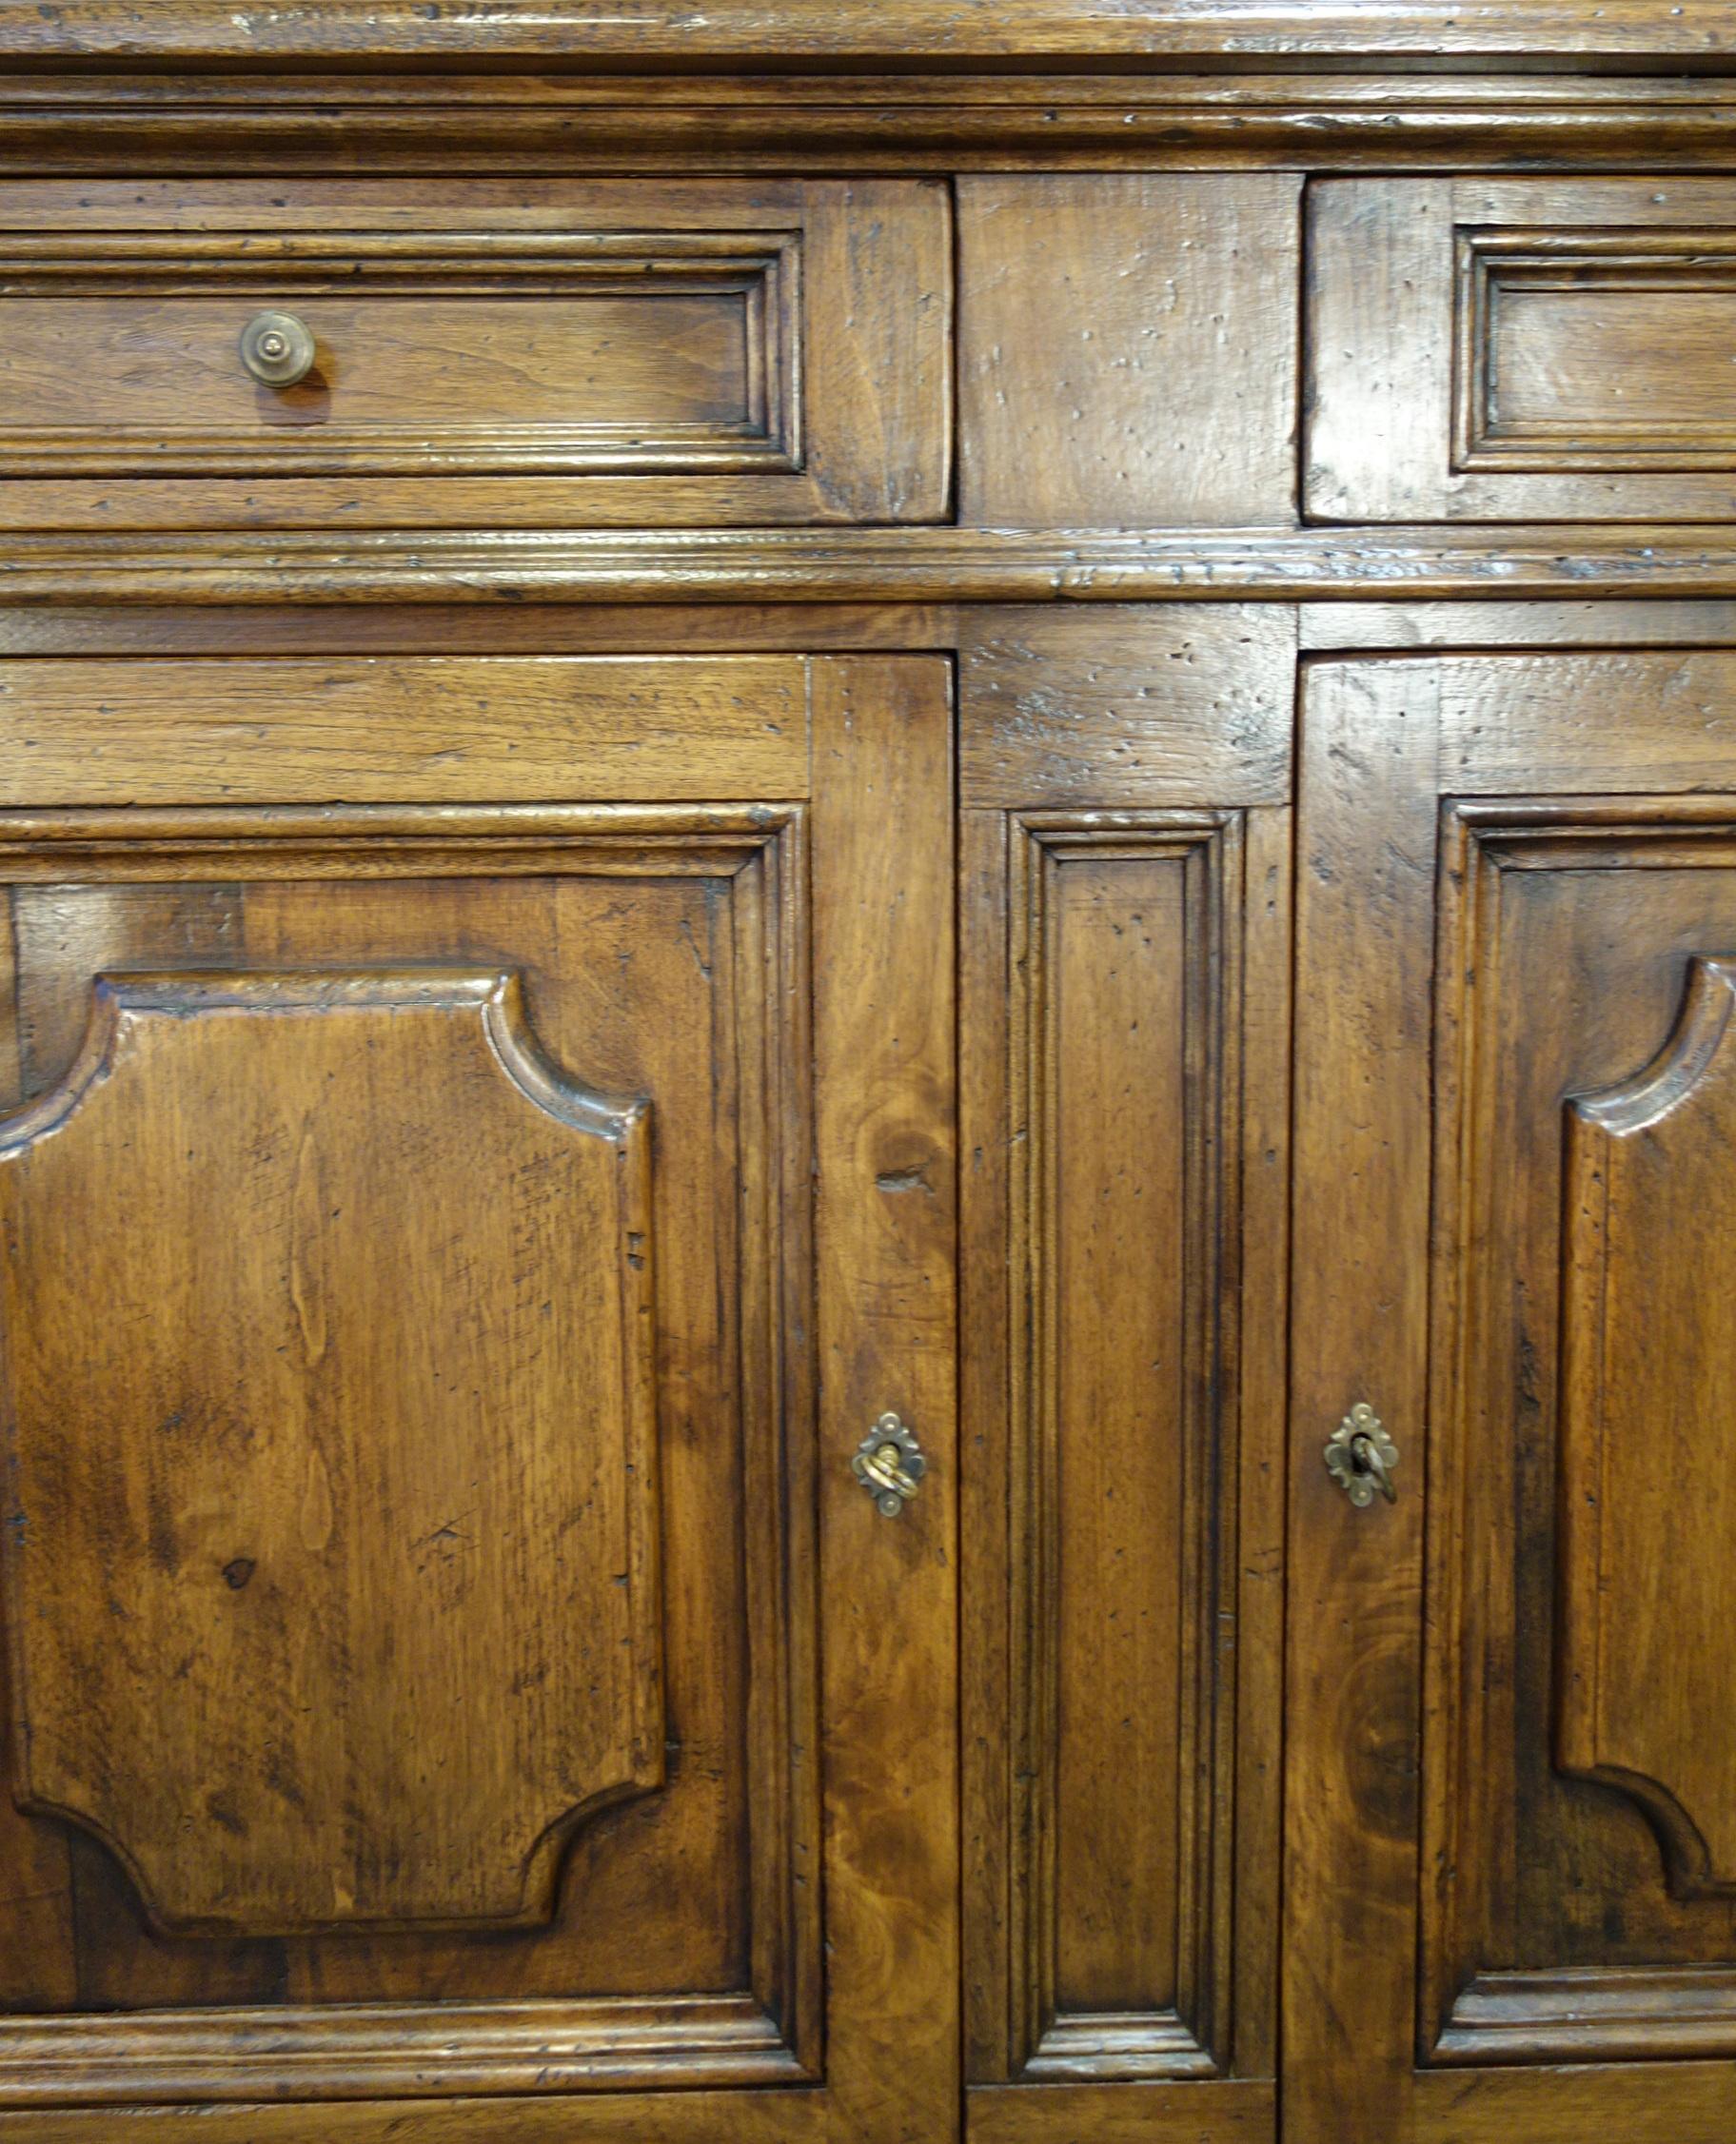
[
  {"x": 1252, "y": 1647},
  {"x": 878, "y": 357},
  {"x": 985, "y": 1330},
  {"x": 1104, "y": 963},
  {"x": 12, "y": 1069},
  {"x": 1127, "y": 351},
  {"x": 884, "y": 1045},
  {"x": 1112, "y": 1402},
  {"x": 1359, "y": 1297},
  {"x": 1379, "y": 335}
]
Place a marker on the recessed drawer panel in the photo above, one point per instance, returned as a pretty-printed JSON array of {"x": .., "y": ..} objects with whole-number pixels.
[
  {"x": 548, "y": 353},
  {"x": 1528, "y": 349}
]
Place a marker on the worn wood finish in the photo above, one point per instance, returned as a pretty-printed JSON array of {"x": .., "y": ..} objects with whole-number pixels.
[
  {"x": 1365, "y": 875},
  {"x": 942, "y": 35},
  {"x": 1559, "y": 1884},
  {"x": 207, "y": 1481},
  {"x": 353, "y": 970},
  {"x": 870, "y": 566},
  {"x": 317, "y": 124},
  {"x": 1162, "y": 389},
  {"x": 1513, "y": 349},
  {"x": 886, "y": 1148},
  {"x": 1242, "y": 2112},
  {"x": 1125, "y": 1029},
  {"x": 694, "y": 842},
  {"x": 638, "y": 935},
  {"x": 1163, "y": 707},
  {"x": 1324, "y": 627},
  {"x": 436, "y": 729},
  {"x": 1644, "y": 1250},
  {"x": 539, "y": 353},
  {"x": 684, "y": 2118}
]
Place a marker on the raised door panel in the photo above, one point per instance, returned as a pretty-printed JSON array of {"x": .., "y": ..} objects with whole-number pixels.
[
  {"x": 423, "y": 1224},
  {"x": 1547, "y": 350},
  {"x": 1124, "y": 1014},
  {"x": 184, "y": 1449},
  {"x": 1648, "y": 1242},
  {"x": 1521, "y": 1808}
]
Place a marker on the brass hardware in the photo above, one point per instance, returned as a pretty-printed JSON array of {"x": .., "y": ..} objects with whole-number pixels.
[
  {"x": 1360, "y": 1457},
  {"x": 889, "y": 1464},
  {"x": 277, "y": 348}
]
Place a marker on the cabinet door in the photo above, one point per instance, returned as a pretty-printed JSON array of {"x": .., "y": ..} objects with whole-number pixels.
[
  {"x": 452, "y": 1252},
  {"x": 1512, "y": 1804},
  {"x": 1125, "y": 1023}
]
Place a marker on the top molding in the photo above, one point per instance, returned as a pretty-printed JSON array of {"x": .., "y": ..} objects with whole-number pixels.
[{"x": 1690, "y": 36}]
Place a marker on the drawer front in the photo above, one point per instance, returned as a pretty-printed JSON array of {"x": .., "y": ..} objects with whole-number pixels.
[
  {"x": 533, "y": 353},
  {"x": 1528, "y": 349}
]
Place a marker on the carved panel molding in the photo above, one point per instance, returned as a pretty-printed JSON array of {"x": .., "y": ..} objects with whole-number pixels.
[
  {"x": 484, "y": 1141},
  {"x": 305, "y": 1500},
  {"x": 1576, "y": 1828},
  {"x": 622, "y": 352},
  {"x": 1125, "y": 1001}
]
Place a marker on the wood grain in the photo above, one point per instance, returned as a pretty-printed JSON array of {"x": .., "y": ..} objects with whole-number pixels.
[
  {"x": 1195, "y": 2112},
  {"x": 1359, "y": 1324},
  {"x": 1161, "y": 388},
  {"x": 1647, "y": 2103},
  {"x": 322, "y": 119},
  {"x": 371, "y": 730},
  {"x": 540, "y": 353},
  {"x": 1644, "y": 1249},
  {"x": 1509, "y": 350},
  {"x": 660, "y": 951},
  {"x": 1132, "y": 706},
  {"x": 1551, "y": 1926},
  {"x": 1125, "y": 1027},
  {"x": 1502, "y": 717},
  {"x": 870, "y": 566},
  {"x": 295, "y": 1569},
  {"x": 887, "y": 1161},
  {"x": 946, "y": 35}
]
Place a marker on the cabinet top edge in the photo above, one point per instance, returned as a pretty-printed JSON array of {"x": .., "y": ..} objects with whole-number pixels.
[{"x": 1695, "y": 36}]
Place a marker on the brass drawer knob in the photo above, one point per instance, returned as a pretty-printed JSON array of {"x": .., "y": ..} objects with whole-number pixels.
[
  {"x": 889, "y": 1464},
  {"x": 277, "y": 348}
]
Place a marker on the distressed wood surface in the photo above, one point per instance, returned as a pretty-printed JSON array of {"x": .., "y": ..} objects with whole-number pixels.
[
  {"x": 1162, "y": 391},
  {"x": 316, "y": 124},
  {"x": 486, "y": 354},
  {"x": 941, "y": 33},
  {"x": 871, "y": 565},
  {"x": 207, "y": 1481}
]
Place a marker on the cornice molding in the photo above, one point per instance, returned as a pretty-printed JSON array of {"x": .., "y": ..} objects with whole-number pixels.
[
  {"x": 874, "y": 565},
  {"x": 930, "y": 34},
  {"x": 136, "y": 123}
]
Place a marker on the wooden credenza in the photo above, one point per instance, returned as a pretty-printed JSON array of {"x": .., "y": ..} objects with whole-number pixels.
[{"x": 868, "y": 1072}]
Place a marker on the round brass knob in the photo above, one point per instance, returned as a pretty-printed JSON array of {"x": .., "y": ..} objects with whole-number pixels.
[{"x": 277, "y": 348}]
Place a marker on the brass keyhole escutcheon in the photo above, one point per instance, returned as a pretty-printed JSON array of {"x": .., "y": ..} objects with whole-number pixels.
[
  {"x": 890, "y": 1465},
  {"x": 1360, "y": 1457}
]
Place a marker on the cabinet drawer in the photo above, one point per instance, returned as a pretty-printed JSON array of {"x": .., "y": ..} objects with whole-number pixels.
[
  {"x": 1527, "y": 350},
  {"x": 530, "y": 353}
]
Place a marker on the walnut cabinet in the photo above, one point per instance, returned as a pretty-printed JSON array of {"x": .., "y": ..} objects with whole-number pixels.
[{"x": 868, "y": 1074}]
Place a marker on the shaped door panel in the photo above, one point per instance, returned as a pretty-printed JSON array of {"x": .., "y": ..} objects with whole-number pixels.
[
  {"x": 422, "y": 1223},
  {"x": 1515, "y": 1823}
]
